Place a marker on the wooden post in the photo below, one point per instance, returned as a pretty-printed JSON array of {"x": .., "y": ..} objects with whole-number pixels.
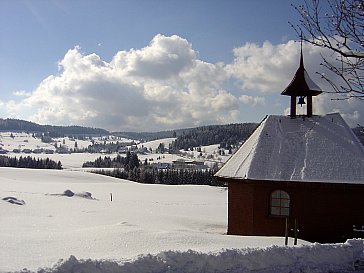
[
  {"x": 309, "y": 106},
  {"x": 295, "y": 231},
  {"x": 293, "y": 107},
  {"x": 286, "y": 233}
]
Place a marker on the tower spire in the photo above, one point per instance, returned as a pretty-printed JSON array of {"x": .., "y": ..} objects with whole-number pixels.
[
  {"x": 301, "y": 58},
  {"x": 301, "y": 86}
]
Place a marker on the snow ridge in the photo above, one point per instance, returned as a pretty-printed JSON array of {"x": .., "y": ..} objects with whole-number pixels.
[{"x": 310, "y": 258}]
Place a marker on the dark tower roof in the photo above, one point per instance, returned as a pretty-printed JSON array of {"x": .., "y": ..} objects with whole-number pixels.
[{"x": 302, "y": 85}]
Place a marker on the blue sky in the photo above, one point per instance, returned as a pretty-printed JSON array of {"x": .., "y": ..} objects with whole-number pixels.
[{"x": 43, "y": 42}]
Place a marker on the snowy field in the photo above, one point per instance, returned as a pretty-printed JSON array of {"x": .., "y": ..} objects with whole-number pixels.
[{"x": 65, "y": 221}]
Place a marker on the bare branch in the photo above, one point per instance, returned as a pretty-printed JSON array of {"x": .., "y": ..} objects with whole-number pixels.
[{"x": 337, "y": 25}]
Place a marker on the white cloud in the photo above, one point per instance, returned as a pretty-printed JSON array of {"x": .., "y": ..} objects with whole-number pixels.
[
  {"x": 265, "y": 68},
  {"x": 251, "y": 100},
  {"x": 22, "y": 93},
  {"x": 160, "y": 86},
  {"x": 165, "y": 86},
  {"x": 268, "y": 69},
  {"x": 164, "y": 57},
  {"x": 352, "y": 110}
]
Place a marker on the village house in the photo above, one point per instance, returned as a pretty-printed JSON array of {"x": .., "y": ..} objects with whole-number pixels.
[
  {"x": 303, "y": 170},
  {"x": 188, "y": 164}
]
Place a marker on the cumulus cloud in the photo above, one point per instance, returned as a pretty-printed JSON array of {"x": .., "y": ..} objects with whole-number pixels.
[
  {"x": 251, "y": 100},
  {"x": 22, "y": 93},
  {"x": 265, "y": 68},
  {"x": 160, "y": 86},
  {"x": 268, "y": 69},
  {"x": 352, "y": 110},
  {"x": 164, "y": 86},
  {"x": 164, "y": 57}
]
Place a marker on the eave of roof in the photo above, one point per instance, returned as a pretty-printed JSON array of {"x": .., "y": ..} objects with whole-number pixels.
[{"x": 316, "y": 149}]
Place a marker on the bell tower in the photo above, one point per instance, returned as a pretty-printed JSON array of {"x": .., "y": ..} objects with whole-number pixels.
[{"x": 301, "y": 86}]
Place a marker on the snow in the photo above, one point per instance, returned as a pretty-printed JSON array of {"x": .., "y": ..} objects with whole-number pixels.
[
  {"x": 210, "y": 154},
  {"x": 70, "y": 142},
  {"x": 141, "y": 219},
  {"x": 21, "y": 141},
  {"x": 65, "y": 221},
  {"x": 316, "y": 149},
  {"x": 155, "y": 143},
  {"x": 313, "y": 258},
  {"x": 69, "y": 161}
]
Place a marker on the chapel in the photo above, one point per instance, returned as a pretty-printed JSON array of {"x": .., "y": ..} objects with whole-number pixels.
[{"x": 304, "y": 170}]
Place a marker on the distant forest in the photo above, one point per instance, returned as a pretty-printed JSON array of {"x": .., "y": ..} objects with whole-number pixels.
[
  {"x": 227, "y": 136},
  {"x": 130, "y": 161},
  {"x": 167, "y": 177},
  {"x": 224, "y": 135},
  {"x": 147, "y": 136},
  {"x": 29, "y": 162},
  {"x": 53, "y": 131},
  {"x": 130, "y": 168}
]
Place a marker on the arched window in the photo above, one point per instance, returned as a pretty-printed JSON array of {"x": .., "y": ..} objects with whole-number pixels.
[{"x": 279, "y": 203}]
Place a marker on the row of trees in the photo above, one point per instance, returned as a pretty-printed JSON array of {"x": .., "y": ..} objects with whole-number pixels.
[
  {"x": 150, "y": 175},
  {"x": 29, "y": 162},
  {"x": 130, "y": 168},
  {"x": 130, "y": 161}
]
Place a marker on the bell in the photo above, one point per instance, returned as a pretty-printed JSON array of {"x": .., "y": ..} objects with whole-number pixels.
[{"x": 301, "y": 100}]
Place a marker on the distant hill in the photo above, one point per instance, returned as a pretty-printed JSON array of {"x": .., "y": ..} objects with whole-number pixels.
[
  {"x": 227, "y": 136},
  {"x": 150, "y": 136},
  {"x": 27, "y": 126}
]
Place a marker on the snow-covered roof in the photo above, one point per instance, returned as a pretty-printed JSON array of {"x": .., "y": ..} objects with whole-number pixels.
[{"x": 315, "y": 149}]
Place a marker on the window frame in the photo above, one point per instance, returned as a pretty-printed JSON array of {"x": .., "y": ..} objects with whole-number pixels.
[{"x": 281, "y": 203}]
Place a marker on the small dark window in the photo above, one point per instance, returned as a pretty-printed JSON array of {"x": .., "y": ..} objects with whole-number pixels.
[{"x": 279, "y": 203}]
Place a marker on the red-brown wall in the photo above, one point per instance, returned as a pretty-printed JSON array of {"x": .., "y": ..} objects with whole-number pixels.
[
  {"x": 325, "y": 212},
  {"x": 240, "y": 212}
]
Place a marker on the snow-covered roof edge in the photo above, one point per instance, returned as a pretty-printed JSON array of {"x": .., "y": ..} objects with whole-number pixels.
[
  {"x": 318, "y": 149},
  {"x": 251, "y": 142}
]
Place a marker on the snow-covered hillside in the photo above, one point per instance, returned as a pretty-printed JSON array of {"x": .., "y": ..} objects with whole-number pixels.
[
  {"x": 155, "y": 143},
  {"x": 11, "y": 140},
  {"x": 68, "y": 213},
  {"x": 22, "y": 141}
]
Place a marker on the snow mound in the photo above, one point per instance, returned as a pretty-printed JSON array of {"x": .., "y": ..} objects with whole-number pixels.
[
  {"x": 84, "y": 194},
  {"x": 14, "y": 200},
  {"x": 309, "y": 258},
  {"x": 68, "y": 193}
]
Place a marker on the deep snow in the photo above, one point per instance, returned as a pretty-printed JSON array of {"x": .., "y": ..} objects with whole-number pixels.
[
  {"x": 313, "y": 258},
  {"x": 69, "y": 224}
]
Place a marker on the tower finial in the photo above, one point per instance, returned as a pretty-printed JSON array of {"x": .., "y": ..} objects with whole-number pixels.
[{"x": 301, "y": 58}]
